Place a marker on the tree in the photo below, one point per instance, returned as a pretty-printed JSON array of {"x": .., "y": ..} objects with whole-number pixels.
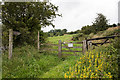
[
  {"x": 100, "y": 23},
  {"x": 64, "y": 31},
  {"x": 28, "y": 18},
  {"x": 87, "y": 29}
]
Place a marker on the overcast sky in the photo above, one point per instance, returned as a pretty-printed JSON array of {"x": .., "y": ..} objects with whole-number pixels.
[{"x": 78, "y": 13}]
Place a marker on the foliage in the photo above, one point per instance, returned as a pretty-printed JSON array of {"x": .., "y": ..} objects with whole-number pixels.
[
  {"x": 87, "y": 29},
  {"x": 100, "y": 23},
  {"x": 116, "y": 41},
  {"x": 110, "y": 33},
  {"x": 78, "y": 36},
  {"x": 94, "y": 65},
  {"x": 74, "y": 32},
  {"x": 43, "y": 37},
  {"x": 57, "y": 32},
  {"x": 113, "y": 25},
  {"x": 5, "y": 37},
  {"x": 27, "y": 63},
  {"x": 91, "y": 35},
  {"x": 27, "y": 18}
]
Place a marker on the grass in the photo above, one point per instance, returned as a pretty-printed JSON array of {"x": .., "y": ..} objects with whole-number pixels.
[
  {"x": 59, "y": 70},
  {"x": 27, "y": 62},
  {"x": 65, "y": 38},
  {"x": 0, "y": 66}
]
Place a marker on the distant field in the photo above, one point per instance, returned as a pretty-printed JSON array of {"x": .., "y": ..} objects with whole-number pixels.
[{"x": 65, "y": 38}]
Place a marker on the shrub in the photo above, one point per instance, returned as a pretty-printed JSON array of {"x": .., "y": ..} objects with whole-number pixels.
[
  {"x": 94, "y": 65},
  {"x": 91, "y": 35},
  {"x": 77, "y": 37}
]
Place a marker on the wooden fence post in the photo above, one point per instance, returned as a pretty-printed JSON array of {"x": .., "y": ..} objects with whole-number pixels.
[
  {"x": 10, "y": 43},
  {"x": 84, "y": 46},
  {"x": 38, "y": 43},
  {"x": 89, "y": 45},
  {"x": 59, "y": 48}
]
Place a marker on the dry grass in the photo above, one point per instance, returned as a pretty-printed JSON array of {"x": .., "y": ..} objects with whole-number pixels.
[
  {"x": 104, "y": 32},
  {"x": 113, "y": 28}
]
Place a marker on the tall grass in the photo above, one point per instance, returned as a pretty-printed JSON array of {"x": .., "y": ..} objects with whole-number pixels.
[{"x": 27, "y": 62}]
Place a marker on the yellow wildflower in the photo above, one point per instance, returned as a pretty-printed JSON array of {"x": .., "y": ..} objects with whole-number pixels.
[
  {"x": 89, "y": 61},
  {"x": 96, "y": 70},
  {"x": 90, "y": 70},
  {"x": 65, "y": 75},
  {"x": 109, "y": 73},
  {"x": 92, "y": 56},
  {"x": 110, "y": 76}
]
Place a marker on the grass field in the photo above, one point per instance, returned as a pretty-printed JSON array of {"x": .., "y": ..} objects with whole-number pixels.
[
  {"x": 27, "y": 62},
  {"x": 65, "y": 38}
]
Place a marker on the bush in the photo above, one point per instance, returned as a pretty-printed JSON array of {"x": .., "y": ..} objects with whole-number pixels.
[
  {"x": 91, "y": 35},
  {"x": 116, "y": 44},
  {"x": 5, "y": 37},
  {"x": 77, "y": 37},
  {"x": 94, "y": 65}
]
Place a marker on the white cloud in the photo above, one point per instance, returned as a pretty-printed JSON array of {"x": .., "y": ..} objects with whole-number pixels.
[{"x": 78, "y": 13}]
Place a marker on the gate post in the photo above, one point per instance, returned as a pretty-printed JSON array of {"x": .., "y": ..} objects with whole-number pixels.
[
  {"x": 38, "y": 43},
  {"x": 89, "y": 45},
  {"x": 84, "y": 46},
  {"x": 59, "y": 48},
  {"x": 10, "y": 43}
]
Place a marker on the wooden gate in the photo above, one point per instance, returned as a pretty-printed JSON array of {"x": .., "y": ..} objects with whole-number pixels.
[
  {"x": 71, "y": 46},
  {"x": 62, "y": 46}
]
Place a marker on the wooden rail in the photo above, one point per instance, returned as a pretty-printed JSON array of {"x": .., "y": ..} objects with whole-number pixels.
[
  {"x": 100, "y": 43},
  {"x": 108, "y": 37},
  {"x": 60, "y": 47},
  {"x": 72, "y": 42},
  {"x": 70, "y": 51},
  {"x": 71, "y": 47},
  {"x": 50, "y": 44}
]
